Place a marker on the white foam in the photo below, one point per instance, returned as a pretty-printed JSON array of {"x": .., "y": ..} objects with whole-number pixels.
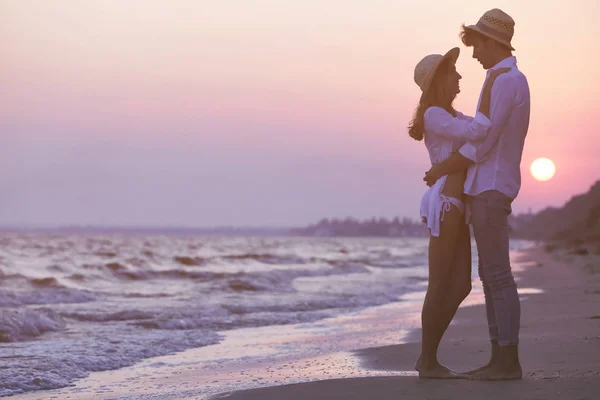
[
  {"x": 58, "y": 363},
  {"x": 9, "y": 298},
  {"x": 27, "y": 324}
]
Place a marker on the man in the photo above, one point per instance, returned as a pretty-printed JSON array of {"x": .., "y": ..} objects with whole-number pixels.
[{"x": 493, "y": 182}]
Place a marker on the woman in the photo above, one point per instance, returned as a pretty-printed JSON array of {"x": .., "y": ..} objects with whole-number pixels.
[{"x": 442, "y": 208}]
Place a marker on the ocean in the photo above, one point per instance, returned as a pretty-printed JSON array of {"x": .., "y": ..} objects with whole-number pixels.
[{"x": 72, "y": 304}]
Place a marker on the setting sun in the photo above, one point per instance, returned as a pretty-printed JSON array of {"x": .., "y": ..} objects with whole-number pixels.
[{"x": 543, "y": 169}]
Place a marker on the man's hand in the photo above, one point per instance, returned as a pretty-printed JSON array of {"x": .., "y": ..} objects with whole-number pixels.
[
  {"x": 456, "y": 162},
  {"x": 431, "y": 177}
]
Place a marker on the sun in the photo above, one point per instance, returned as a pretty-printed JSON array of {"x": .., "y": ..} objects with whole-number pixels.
[{"x": 543, "y": 169}]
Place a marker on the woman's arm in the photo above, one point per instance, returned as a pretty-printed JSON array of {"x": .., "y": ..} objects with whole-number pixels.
[
  {"x": 477, "y": 152},
  {"x": 440, "y": 122}
]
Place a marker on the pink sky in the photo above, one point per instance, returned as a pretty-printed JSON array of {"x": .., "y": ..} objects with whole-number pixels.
[{"x": 263, "y": 112}]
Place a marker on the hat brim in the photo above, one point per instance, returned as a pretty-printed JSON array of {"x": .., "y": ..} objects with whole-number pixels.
[
  {"x": 476, "y": 29},
  {"x": 452, "y": 55}
]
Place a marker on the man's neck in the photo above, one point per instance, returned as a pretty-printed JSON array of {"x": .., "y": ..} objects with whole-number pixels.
[{"x": 501, "y": 55}]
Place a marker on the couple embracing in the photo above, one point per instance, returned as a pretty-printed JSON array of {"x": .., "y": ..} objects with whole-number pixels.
[{"x": 474, "y": 178}]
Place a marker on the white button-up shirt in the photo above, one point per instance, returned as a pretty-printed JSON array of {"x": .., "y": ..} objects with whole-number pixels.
[
  {"x": 498, "y": 157},
  {"x": 445, "y": 134}
]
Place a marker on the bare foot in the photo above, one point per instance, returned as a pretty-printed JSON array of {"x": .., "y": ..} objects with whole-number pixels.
[
  {"x": 498, "y": 373},
  {"x": 438, "y": 371},
  {"x": 478, "y": 370}
]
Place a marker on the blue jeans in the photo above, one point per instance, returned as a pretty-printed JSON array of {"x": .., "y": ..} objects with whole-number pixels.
[{"x": 489, "y": 218}]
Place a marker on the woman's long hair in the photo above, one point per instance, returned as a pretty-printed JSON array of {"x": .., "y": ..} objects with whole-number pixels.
[{"x": 436, "y": 96}]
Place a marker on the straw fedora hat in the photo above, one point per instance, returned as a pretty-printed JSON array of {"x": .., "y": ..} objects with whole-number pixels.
[
  {"x": 428, "y": 66},
  {"x": 497, "y": 25}
]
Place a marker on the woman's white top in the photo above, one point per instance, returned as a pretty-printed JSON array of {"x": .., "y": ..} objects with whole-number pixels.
[{"x": 445, "y": 134}]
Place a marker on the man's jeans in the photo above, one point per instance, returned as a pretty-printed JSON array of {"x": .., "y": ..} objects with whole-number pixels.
[{"x": 489, "y": 218}]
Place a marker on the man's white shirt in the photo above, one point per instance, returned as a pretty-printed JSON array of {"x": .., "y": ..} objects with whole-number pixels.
[{"x": 497, "y": 159}]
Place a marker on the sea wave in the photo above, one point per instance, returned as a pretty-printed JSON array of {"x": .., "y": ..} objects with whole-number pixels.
[
  {"x": 123, "y": 298},
  {"x": 16, "y": 325},
  {"x": 9, "y": 298},
  {"x": 60, "y": 362}
]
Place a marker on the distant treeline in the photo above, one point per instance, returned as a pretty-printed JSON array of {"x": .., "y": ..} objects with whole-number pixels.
[
  {"x": 378, "y": 227},
  {"x": 577, "y": 220}
]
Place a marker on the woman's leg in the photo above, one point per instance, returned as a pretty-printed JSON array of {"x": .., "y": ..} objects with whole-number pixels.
[
  {"x": 461, "y": 270},
  {"x": 449, "y": 284}
]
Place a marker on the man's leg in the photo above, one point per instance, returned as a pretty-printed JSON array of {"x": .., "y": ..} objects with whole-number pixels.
[
  {"x": 490, "y": 212},
  {"x": 491, "y": 318}
]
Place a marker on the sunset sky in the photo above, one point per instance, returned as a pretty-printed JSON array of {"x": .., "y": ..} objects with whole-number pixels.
[{"x": 263, "y": 112}]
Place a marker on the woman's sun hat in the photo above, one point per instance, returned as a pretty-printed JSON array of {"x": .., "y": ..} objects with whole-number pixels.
[{"x": 428, "y": 66}]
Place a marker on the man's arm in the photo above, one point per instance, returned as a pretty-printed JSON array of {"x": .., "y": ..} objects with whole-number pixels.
[
  {"x": 456, "y": 162},
  {"x": 469, "y": 153},
  {"x": 503, "y": 97}
]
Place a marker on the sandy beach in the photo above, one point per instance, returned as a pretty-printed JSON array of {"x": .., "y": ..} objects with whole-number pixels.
[{"x": 560, "y": 351}]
